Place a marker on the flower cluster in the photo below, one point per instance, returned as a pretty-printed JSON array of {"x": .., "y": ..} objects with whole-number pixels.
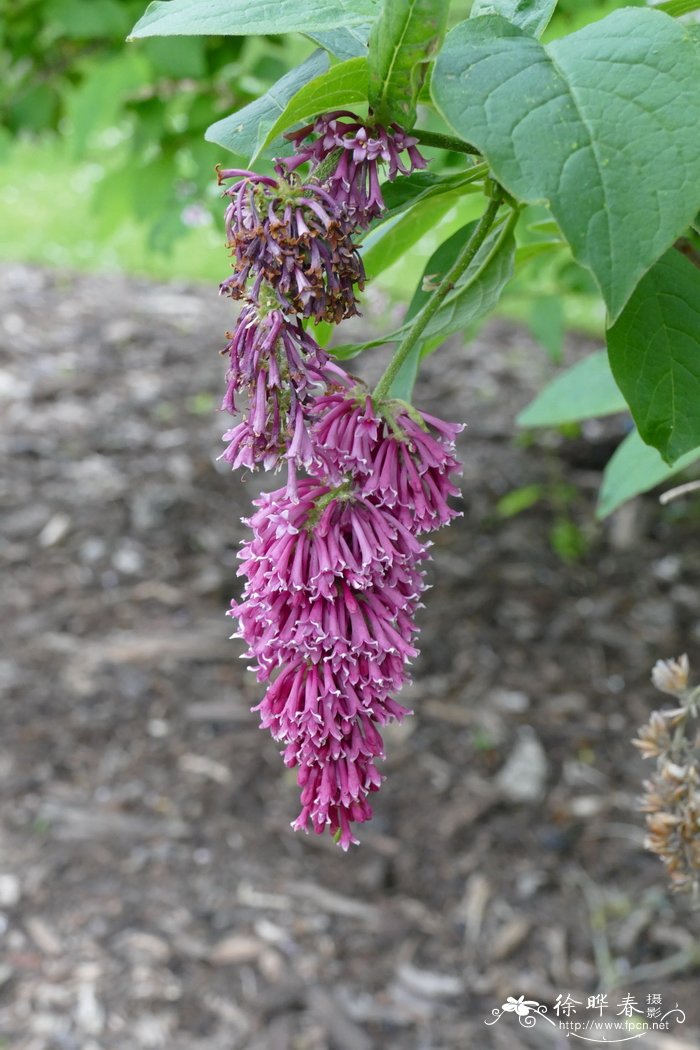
[
  {"x": 333, "y": 582},
  {"x": 671, "y": 798},
  {"x": 329, "y": 603},
  {"x": 333, "y": 569},
  {"x": 294, "y": 238},
  {"x": 278, "y": 366},
  {"x": 395, "y": 459},
  {"x": 355, "y": 179}
]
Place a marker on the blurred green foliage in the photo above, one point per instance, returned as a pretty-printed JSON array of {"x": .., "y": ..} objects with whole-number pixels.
[{"x": 136, "y": 113}]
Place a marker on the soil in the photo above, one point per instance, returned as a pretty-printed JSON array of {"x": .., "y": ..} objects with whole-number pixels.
[{"x": 152, "y": 893}]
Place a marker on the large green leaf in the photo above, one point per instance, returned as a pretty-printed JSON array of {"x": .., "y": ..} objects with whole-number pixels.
[
  {"x": 404, "y": 39},
  {"x": 480, "y": 286},
  {"x": 250, "y": 17},
  {"x": 581, "y": 392},
  {"x": 245, "y": 132},
  {"x": 437, "y": 266},
  {"x": 343, "y": 43},
  {"x": 343, "y": 85},
  {"x": 387, "y": 244},
  {"x": 532, "y": 16},
  {"x": 476, "y": 294},
  {"x": 635, "y": 468},
  {"x": 601, "y": 126},
  {"x": 410, "y": 189},
  {"x": 654, "y": 353}
]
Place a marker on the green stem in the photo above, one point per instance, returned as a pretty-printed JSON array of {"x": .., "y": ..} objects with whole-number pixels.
[
  {"x": 433, "y": 305},
  {"x": 327, "y": 166},
  {"x": 440, "y": 141}
]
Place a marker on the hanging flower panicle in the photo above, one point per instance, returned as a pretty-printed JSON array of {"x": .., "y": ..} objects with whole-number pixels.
[
  {"x": 365, "y": 148},
  {"x": 333, "y": 568}
]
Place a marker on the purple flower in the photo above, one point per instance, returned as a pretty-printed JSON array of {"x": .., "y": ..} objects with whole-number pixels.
[
  {"x": 277, "y": 366},
  {"x": 295, "y": 237},
  {"x": 354, "y": 184},
  {"x": 333, "y": 583},
  {"x": 400, "y": 459}
]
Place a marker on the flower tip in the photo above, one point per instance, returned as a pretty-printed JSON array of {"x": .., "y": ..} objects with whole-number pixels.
[{"x": 671, "y": 676}]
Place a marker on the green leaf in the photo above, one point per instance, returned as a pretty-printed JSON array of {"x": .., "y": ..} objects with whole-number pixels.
[
  {"x": 584, "y": 391},
  {"x": 350, "y": 350},
  {"x": 532, "y": 16},
  {"x": 547, "y": 324},
  {"x": 245, "y": 132},
  {"x": 428, "y": 197},
  {"x": 601, "y": 126},
  {"x": 344, "y": 43},
  {"x": 518, "y": 500},
  {"x": 654, "y": 353},
  {"x": 420, "y": 185},
  {"x": 344, "y": 84},
  {"x": 403, "y": 41},
  {"x": 96, "y": 102},
  {"x": 475, "y": 295},
  {"x": 389, "y": 242},
  {"x": 401, "y": 193},
  {"x": 677, "y": 8},
  {"x": 635, "y": 468},
  {"x": 437, "y": 266},
  {"x": 480, "y": 287},
  {"x": 250, "y": 17}
]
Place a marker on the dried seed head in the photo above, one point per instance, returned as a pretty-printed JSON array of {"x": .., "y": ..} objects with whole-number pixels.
[
  {"x": 671, "y": 676},
  {"x": 671, "y": 797}
]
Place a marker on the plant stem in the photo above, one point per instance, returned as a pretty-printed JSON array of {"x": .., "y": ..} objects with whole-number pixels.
[
  {"x": 440, "y": 141},
  {"x": 327, "y": 166},
  {"x": 432, "y": 306}
]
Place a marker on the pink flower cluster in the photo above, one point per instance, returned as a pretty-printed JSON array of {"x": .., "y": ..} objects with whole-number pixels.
[
  {"x": 355, "y": 181},
  {"x": 333, "y": 569}
]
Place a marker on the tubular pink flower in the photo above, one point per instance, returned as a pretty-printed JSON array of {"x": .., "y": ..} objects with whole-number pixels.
[
  {"x": 354, "y": 184},
  {"x": 278, "y": 367},
  {"x": 400, "y": 460},
  {"x": 332, "y": 587}
]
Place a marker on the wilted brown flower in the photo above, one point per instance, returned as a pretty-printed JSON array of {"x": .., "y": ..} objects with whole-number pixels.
[
  {"x": 671, "y": 676},
  {"x": 671, "y": 797}
]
